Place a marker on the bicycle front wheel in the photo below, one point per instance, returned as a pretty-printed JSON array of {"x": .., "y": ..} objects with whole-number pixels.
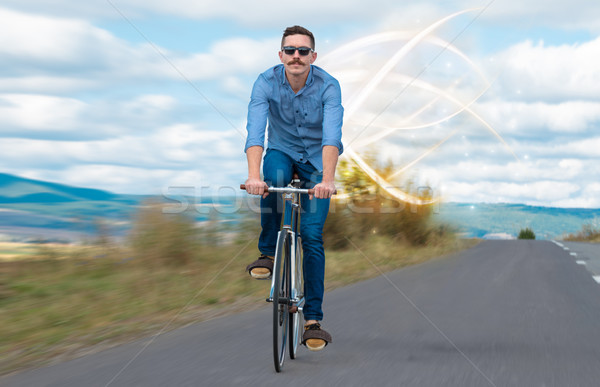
[{"x": 281, "y": 298}]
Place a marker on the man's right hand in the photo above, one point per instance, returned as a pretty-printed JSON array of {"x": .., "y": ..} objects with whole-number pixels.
[{"x": 257, "y": 187}]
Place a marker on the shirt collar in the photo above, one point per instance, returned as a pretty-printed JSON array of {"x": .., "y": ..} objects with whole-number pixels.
[{"x": 309, "y": 79}]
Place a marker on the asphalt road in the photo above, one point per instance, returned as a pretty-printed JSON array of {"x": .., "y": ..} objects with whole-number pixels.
[
  {"x": 504, "y": 313},
  {"x": 585, "y": 254}
]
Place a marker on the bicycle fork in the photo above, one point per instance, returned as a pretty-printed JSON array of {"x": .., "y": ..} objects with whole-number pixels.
[{"x": 295, "y": 303}]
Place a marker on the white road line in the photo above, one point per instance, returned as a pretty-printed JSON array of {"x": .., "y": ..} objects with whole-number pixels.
[
  {"x": 597, "y": 278},
  {"x": 574, "y": 254},
  {"x": 566, "y": 248},
  {"x": 580, "y": 262}
]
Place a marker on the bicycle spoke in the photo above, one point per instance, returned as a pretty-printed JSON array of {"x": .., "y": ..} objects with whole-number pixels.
[{"x": 280, "y": 302}]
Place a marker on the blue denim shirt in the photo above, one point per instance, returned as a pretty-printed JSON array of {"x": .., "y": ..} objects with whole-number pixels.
[{"x": 299, "y": 124}]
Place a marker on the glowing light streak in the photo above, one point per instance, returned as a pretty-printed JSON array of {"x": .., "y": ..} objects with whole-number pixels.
[
  {"x": 385, "y": 37},
  {"x": 440, "y": 93},
  {"x": 428, "y": 86},
  {"x": 355, "y": 104},
  {"x": 352, "y": 51},
  {"x": 390, "y": 130},
  {"x": 421, "y": 157}
]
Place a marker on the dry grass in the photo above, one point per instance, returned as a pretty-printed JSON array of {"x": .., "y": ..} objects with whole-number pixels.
[
  {"x": 52, "y": 308},
  {"x": 13, "y": 251},
  {"x": 588, "y": 233},
  {"x": 168, "y": 272}
]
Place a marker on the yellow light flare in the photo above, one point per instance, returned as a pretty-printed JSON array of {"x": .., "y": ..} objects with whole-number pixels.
[{"x": 384, "y": 184}]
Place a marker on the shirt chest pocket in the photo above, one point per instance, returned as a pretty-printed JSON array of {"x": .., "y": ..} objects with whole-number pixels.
[
  {"x": 313, "y": 112},
  {"x": 285, "y": 110}
]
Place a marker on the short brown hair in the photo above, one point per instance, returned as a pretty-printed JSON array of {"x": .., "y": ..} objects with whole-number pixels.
[{"x": 297, "y": 30}]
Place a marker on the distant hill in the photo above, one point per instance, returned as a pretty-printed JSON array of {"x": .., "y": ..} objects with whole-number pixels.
[
  {"x": 481, "y": 219},
  {"x": 15, "y": 189},
  {"x": 31, "y": 209},
  {"x": 43, "y": 210}
]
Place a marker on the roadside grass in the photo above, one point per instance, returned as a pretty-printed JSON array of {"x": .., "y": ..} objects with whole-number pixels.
[
  {"x": 61, "y": 302},
  {"x": 53, "y": 309},
  {"x": 588, "y": 233},
  {"x": 17, "y": 251}
]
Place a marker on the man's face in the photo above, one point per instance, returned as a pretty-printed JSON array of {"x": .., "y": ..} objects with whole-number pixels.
[{"x": 297, "y": 64}]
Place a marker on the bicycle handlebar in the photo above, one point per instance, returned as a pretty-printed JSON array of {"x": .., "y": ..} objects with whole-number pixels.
[{"x": 309, "y": 191}]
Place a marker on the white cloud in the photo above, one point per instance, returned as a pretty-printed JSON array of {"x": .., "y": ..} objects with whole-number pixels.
[
  {"x": 175, "y": 155},
  {"x": 150, "y": 104},
  {"x": 551, "y": 73},
  {"x": 120, "y": 179},
  {"x": 532, "y": 192},
  {"x": 587, "y": 148},
  {"x": 53, "y": 41},
  {"x": 575, "y": 14},
  {"x": 550, "y": 169},
  {"x": 94, "y": 57},
  {"x": 528, "y": 119},
  {"x": 47, "y": 84},
  {"x": 224, "y": 59},
  {"x": 589, "y": 198},
  {"x": 39, "y": 112},
  {"x": 51, "y": 117},
  {"x": 170, "y": 147}
]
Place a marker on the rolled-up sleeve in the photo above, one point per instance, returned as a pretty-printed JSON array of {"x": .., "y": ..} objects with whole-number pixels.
[
  {"x": 258, "y": 110},
  {"x": 333, "y": 114}
]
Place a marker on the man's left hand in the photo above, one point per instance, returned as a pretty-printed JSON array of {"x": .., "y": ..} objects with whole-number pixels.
[{"x": 324, "y": 190}]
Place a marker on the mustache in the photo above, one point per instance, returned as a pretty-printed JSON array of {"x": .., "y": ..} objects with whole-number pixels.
[{"x": 296, "y": 61}]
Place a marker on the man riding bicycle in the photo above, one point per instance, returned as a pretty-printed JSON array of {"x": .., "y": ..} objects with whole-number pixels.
[{"x": 303, "y": 107}]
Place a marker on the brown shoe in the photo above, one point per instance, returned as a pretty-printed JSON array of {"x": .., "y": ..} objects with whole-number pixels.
[
  {"x": 261, "y": 268},
  {"x": 315, "y": 338}
]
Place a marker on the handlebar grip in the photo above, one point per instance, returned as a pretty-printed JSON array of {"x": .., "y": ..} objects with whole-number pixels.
[{"x": 311, "y": 191}]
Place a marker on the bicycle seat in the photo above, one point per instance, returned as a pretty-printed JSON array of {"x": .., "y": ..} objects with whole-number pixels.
[{"x": 295, "y": 179}]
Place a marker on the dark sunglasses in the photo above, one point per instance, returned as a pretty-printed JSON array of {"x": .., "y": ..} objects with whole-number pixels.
[{"x": 303, "y": 51}]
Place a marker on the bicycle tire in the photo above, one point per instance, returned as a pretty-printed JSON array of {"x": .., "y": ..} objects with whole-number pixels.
[
  {"x": 281, "y": 296},
  {"x": 297, "y": 318}
]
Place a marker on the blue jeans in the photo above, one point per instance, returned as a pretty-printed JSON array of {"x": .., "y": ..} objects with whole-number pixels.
[{"x": 277, "y": 170}]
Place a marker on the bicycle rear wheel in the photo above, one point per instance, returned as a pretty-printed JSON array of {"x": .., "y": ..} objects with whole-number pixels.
[
  {"x": 281, "y": 297},
  {"x": 297, "y": 291}
]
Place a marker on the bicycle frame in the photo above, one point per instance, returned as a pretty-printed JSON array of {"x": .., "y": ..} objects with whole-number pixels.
[{"x": 291, "y": 197}]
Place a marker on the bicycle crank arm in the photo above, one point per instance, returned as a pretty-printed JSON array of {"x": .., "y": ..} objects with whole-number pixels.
[{"x": 282, "y": 300}]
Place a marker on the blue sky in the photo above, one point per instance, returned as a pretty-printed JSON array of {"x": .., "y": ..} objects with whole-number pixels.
[{"x": 144, "y": 97}]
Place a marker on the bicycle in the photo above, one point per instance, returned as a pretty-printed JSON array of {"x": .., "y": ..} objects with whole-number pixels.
[{"x": 287, "y": 284}]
